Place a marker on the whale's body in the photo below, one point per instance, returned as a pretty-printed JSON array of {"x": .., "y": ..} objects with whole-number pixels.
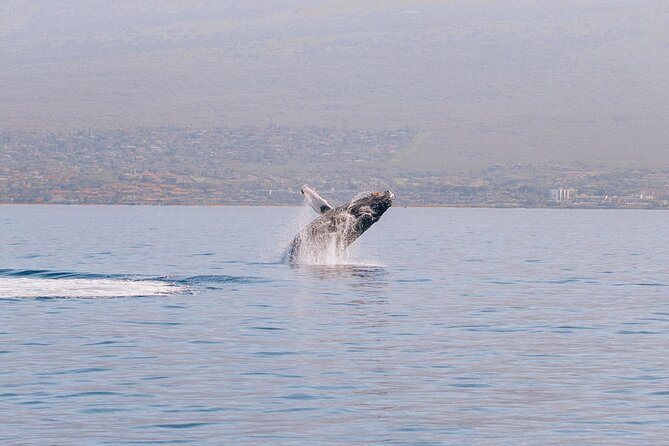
[{"x": 332, "y": 232}]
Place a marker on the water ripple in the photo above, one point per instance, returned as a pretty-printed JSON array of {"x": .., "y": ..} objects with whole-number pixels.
[{"x": 481, "y": 327}]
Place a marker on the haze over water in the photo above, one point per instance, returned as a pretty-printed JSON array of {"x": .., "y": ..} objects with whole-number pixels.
[
  {"x": 484, "y": 82},
  {"x": 444, "y": 326}
]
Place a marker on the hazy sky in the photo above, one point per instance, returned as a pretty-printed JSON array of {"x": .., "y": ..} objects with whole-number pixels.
[{"x": 484, "y": 81}]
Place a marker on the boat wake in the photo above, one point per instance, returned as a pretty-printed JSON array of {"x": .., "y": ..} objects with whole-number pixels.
[
  {"x": 82, "y": 288},
  {"x": 45, "y": 284},
  {"x": 65, "y": 284}
]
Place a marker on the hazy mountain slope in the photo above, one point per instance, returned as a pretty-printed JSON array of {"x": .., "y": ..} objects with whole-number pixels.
[{"x": 483, "y": 81}]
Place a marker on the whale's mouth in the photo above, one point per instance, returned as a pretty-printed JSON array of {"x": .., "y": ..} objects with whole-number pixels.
[{"x": 385, "y": 194}]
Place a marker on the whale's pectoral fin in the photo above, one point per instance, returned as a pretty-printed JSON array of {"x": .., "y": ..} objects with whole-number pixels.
[{"x": 315, "y": 201}]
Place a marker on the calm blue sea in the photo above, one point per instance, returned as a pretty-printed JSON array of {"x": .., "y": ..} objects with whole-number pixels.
[{"x": 180, "y": 325}]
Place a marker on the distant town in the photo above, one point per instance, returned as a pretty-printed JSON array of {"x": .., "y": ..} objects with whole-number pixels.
[{"x": 268, "y": 165}]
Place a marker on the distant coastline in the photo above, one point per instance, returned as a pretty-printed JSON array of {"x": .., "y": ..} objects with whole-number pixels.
[
  {"x": 292, "y": 205},
  {"x": 262, "y": 166}
]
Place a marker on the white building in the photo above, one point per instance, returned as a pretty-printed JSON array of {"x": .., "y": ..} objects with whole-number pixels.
[{"x": 562, "y": 195}]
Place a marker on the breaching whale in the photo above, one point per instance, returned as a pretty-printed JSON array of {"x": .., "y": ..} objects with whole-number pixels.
[{"x": 336, "y": 228}]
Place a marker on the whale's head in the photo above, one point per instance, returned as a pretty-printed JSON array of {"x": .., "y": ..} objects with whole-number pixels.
[{"x": 369, "y": 208}]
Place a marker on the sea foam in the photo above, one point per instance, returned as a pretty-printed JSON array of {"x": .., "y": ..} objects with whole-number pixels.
[{"x": 31, "y": 287}]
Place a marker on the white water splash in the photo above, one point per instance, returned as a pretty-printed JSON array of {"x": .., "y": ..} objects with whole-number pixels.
[
  {"x": 29, "y": 287},
  {"x": 326, "y": 248}
]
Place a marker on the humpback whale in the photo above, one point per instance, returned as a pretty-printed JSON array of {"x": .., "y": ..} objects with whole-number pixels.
[{"x": 336, "y": 228}]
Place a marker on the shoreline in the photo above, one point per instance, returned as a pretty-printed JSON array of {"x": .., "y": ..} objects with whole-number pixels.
[{"x": 412, "y": 206}]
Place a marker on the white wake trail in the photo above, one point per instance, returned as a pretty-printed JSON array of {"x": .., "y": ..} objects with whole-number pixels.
[{"x": 28, "y": 287}]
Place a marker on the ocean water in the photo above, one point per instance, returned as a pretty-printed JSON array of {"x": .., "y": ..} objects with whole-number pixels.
[{"x": 180, "y": 325}]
